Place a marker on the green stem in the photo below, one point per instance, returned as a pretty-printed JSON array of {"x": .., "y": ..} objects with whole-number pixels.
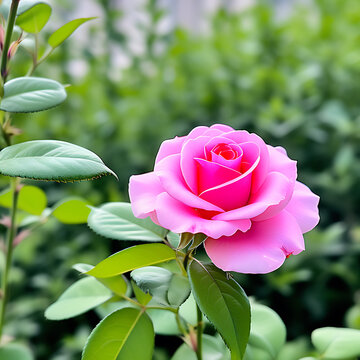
[
  {"x": 199, "y": 331},
  {"x": 8, "y": 34},
  {"x": 9, "y": 251}
]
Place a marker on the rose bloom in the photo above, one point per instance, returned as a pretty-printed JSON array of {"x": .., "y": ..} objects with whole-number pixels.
[{"x": 234, "y": 188}]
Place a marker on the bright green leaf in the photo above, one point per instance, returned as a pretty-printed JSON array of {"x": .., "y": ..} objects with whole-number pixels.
[
  {"x": 336, "y": 343},
  {"x": 31, "y": 94},
  {"x": 213, "y": 349},
  {"x": 133, "y": 258},
  {"x": 35, "y": 18},
  {"x": 80, "y": 297},
  {"x": 15, "y": 351},
  {"x": 125, "y": 334},
  {"x": 72, "y": 211},
  {"x": 51, "y": 160},
  {"x": 224, "y": 303},
  {"x": 61, "y": 34},
  {"x": 31, "y": 199},
  {"x": 153, "y": 280},
  {"x": 142, "y": 297},
  {"x": 268, "y": 332},
  {"x": 116, "y": 221}
]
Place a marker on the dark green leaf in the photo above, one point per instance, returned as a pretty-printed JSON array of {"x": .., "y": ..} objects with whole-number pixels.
[
  {"x": 72, "y": 211},
  {"x": 133, "y": 258},
  {"x": 80, "y": 297},
  {"x": 224, "y": 303},
  {"x": 51, "y": 160},
  {"x": 179, "y": 290},
  {"x": 61, "y": 34},
  {"x": 185, "y": 240},
  {"x": 31, "y": 94},
  {"x": 123, "y": 335},
  {"x": 115, "y": 220},
  {"x": 34, "y": 18},
  {"x": 31, "y": 199}
]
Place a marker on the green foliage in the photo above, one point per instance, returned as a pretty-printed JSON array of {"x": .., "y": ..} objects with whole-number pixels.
[
  {"x": 132, "y": 258},
  {"x": 30, "y": 94},
  {"x": 34, "y": 18},
  {"x": 71, "y": 211},
  {"x": 61, "y": 34},
  {"x": 336, "y": 343},
  {"x": 116, "y": 221},
  {"x": 80, "y": 297},
  {"x": 51, "y": 160},
  {"x": 224, "y": 303},
  {"x": 15, "y": 351},
  {"x": 117, "y": 337}
]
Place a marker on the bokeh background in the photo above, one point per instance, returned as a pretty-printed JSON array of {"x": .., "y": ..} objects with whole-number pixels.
[{"x": 148, "y": 70}]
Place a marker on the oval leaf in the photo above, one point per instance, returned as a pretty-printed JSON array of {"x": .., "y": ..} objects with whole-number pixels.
[
  {"x": 224, "y": 303},
  {"x": 132, "y": 258},
  {"x": 61, "y": 34},
  {"x": 116, "y": 221},
  {"x": 153, "y": 280},
  {"x": 31, "y": 94},
  {"x": 125, "y": 334},
  {"x": 51, "y": 160},
  {"x": 80, "y": 297},
  {"x": 336, "y": 343},
  {"x": 31, "y": 199},
  {"x": 34, "y": 18},
  {"x": 72, "y": 211}
]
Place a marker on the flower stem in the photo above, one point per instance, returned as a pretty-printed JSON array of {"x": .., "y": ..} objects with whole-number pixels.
[
  {"x": 199, "y": 331},
  {"x": 9, "y": 251},
  {"x": 9, "y": 31}
]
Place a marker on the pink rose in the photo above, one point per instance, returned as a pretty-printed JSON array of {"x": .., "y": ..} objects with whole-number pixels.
[{"x": 235, "y": 189}]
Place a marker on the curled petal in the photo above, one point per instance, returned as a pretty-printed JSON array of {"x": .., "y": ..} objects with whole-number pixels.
[
  {"x": 280, "y": 162},
  {"x": 304, "y": 207},
  {"x": 143, "y": 190},
  {"x": 222, "y": 127},
  {"x": 261, "y": 249},
  {"x": 170, "y": 176},
  {"x": 170, "y": 147},
  {"x": 179, "y": 218}
]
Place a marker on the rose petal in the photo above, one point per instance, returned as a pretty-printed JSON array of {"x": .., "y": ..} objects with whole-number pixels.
[
  {"x": 170, "y": 147},
  {"x": 211, "y": 174},
  {"x": 280, "y": 162},
  {"x": 261, "y": 249},
  {"x": 222, "y": 127},
  {"x": 177, "y": 217},
  {"x": 213, "y": 142},
  {"x": 272, "y": 192},
  {"x": 143, "y": 190},
  {"x": 171, "y": 179},
  {"x": 262, "y": 170},
  {"x": 196, "y": 132},
  {"x": 304, "y": 207}
]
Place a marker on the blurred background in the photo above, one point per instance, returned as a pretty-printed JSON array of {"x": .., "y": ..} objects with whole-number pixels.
[{"x": 149, "y": 70}]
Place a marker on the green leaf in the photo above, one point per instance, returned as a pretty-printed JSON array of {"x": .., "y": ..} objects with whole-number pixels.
[
  {"x": 72, "y": 211},
  {"x": 142, "y": 297},
  {"x": 213, "y": 349},
  {"x": 34, "y": 18},
  {"x": 174, "y": 239},
  {"x": 51, "y": 160},
  {"x": 31, "y": 94},
  {"x": 116, "y": 221},
  {"x": 185, "y": 240},
  {"x": 268, "y": 332},
  {"x": 31, "y": 199},
  {"x": 117, "y": 284},
  {"x": 224, "y": 303},
  {"x": 164, "y": 322},
  {"x": 14, "y": 351},
  {"x": 132, "y": 258},
  {"x": 179, "y": 290},
  {"x": 61, "y": 34},
  {"x": 125, "y": 334},
  {"x": 153, "y": 280},
  {"x": 80, "y": 297},
  {"x": 336, "y": 343}
]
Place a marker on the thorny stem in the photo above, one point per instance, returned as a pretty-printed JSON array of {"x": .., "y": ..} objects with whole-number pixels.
[
  {"x": 9, "y": 250},
  {"x": 9, "y": 31}
]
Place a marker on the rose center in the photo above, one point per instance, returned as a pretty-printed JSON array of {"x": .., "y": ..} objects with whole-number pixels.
[{"x": 227, "y": 151}]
